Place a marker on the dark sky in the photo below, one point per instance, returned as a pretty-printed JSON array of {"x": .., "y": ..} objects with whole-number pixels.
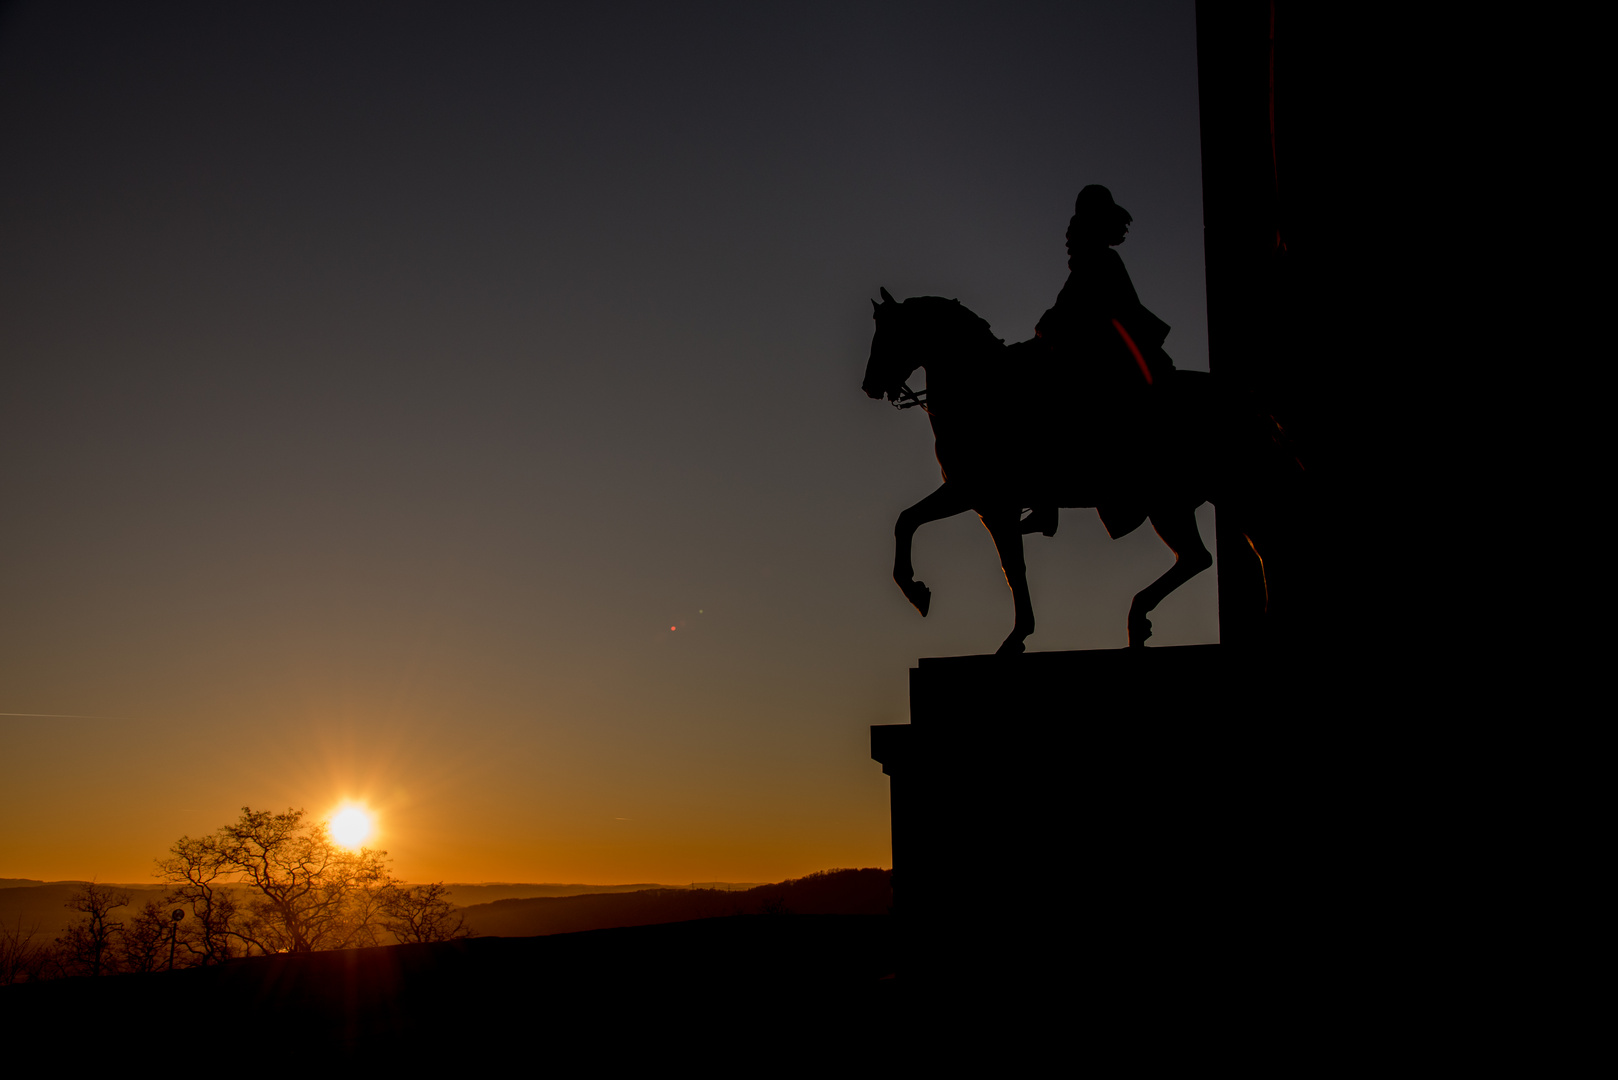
[{"x": 382, "y": 382}]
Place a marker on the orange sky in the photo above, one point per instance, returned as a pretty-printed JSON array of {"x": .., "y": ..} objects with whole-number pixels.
[{"x": 379, "y": 394}]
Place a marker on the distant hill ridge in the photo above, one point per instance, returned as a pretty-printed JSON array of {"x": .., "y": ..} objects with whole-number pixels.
[
  {"x": 42, "y": 907},
  {"x": 464, "y": 894},
  {"x": 831, "y": 892},
  {"x": 34, "y": 883},
  {"x": 27, "y": 903}
]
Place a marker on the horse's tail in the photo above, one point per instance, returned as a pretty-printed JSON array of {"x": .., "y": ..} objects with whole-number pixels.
[
  {"x": 1263, "y": 573},
  {"x": 1260, "y": 482}
]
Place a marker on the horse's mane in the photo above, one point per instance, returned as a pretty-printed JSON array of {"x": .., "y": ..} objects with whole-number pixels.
[{"x": 952, "y": 320}]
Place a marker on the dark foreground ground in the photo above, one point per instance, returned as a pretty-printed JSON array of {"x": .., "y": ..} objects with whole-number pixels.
[
  {"x": 790, "y": 984},
  {"x": 783, "y": 994}
]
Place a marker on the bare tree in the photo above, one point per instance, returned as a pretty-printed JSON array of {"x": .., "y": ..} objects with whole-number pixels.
[
  {"x": 314, "y": 892},
  {"x": 22, "y": 959},
  {"x": 200, "y": 872},
  {"x": 311, "y": 892},
  {"x": 422, "y": 913},
  {"x": 87, "y": 944},
  {"x": 363, "y": 911},
  {"x": 144, "y": 944}
]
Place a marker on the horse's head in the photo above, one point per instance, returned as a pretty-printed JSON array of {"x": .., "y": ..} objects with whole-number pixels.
[
  {"x": 893, "y": 355},
  {"x": 924, "y": 331}
]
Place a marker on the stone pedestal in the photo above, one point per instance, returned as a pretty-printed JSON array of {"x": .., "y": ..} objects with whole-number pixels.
[{"x": 1142, "y": 823}]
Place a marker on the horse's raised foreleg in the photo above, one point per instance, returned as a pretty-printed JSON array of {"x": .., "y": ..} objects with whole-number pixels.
[
  {"x": 1179, "y": 531},
  {"x": 943, "y": 503},
  {"x": 1006, "y": 529}
]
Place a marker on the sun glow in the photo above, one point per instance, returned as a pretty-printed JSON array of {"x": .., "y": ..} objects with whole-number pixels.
[{"x": 351, "y": 826}]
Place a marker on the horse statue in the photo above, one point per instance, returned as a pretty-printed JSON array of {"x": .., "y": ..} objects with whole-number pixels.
[{"x": 1013, "y": 432}]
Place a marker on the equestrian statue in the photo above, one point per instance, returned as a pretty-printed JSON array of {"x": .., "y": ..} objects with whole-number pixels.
[{"x": 1090, "y": 412}]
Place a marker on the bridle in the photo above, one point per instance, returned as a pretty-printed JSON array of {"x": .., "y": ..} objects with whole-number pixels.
[{"x": 907, "y": 398}]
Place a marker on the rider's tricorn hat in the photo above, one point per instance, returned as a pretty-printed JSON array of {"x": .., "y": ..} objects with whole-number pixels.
[{"x": 1095, "y": 202}]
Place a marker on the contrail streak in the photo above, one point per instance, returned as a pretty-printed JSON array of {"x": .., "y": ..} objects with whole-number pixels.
[{"x": 66, "y": 716}]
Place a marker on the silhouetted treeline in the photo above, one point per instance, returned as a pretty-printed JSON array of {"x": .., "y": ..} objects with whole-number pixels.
[
  {"x": 831, "y": 892},
  {"x": 264, "y": 884},
  {"x": 110, "y": 932},
  {"x": 48, "y": 933},
  {"x": 42, "y": 905}
]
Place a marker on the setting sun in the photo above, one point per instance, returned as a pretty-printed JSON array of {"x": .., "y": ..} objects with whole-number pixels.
[{"x": 351, "y": 826}]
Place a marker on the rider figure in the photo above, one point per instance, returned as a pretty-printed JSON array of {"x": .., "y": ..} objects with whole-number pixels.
[{"x": 1106, "y": 347}]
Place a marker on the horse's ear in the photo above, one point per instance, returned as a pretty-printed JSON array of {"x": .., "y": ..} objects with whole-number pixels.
[
  {"x": 887, "y": 297},
  {"x": 875, "y": 307}
]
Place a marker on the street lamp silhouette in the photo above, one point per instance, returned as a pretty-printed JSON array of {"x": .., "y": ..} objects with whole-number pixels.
[{"x": 174, "y": 932}]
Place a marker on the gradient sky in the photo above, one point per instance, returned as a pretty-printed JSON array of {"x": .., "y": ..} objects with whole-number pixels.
[{"x": 382, "y": 382}]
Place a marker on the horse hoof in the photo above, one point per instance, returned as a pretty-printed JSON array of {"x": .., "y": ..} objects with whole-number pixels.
[
  {"x": 918, "y": 594},
  {"x": 1011, "y": 647},
  {"x": 1041, "y": 520},
  {"x": 1139, "y": 630}
]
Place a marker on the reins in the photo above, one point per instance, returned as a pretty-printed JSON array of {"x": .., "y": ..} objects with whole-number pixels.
[{"x": 909, "y": 399}]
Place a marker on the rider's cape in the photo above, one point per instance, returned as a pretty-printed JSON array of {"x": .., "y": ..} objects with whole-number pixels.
[{"x": 1099, "y": 324}]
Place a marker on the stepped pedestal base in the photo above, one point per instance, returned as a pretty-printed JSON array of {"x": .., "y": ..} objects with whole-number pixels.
[{"x": 1137, "y": 823}]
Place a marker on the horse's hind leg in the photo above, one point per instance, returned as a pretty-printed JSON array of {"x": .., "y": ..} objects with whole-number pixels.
[
  {"x": 943, "y": 503},
  {"x": 1006, "y": 529},
  {"x": 1179, "y": 531}
]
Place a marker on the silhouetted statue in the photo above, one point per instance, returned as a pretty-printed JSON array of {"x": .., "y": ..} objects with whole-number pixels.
[{"x": 1089, "y": 413}]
